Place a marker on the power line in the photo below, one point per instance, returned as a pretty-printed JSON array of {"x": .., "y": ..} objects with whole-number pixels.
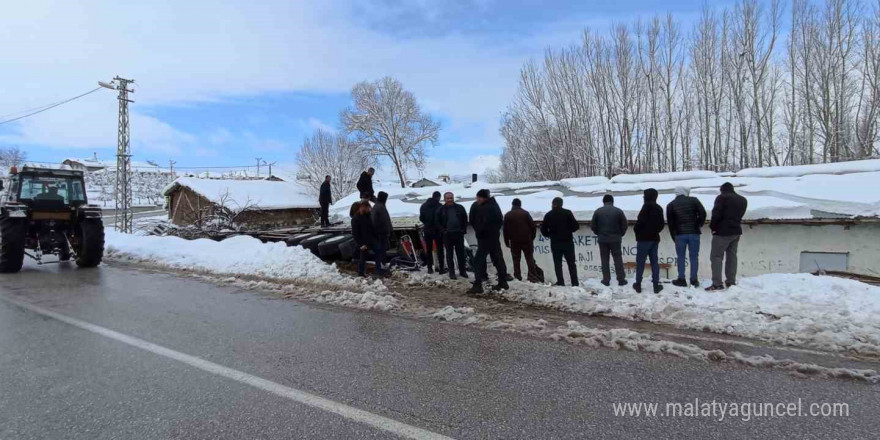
[{"x": 48, "y": 107}]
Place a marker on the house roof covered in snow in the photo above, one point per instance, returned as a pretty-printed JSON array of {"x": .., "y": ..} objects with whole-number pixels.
[
  {"x": 809, "y": 192},
  {"x": 259, "y": 194}
]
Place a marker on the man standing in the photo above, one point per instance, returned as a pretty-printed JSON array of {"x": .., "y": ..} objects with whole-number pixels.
[
  {"x": 647, "y": 229},
  {"x": 365, "y": 184},
  {"x": 609, "y": 224},
  {"x": 382, "y": 227},
  {"x": 486, "y": 219},
  {"x": 686, "y": 216},
  {"x": 433, "y": 238},
  {"x": 519, "y": 235},
  {"x": 365, "y": 237},
  {"x": 325, "y": 199},
  {"x": 452, "y": 221},
  {"x": 726, "y": 226},
  {"x": 559, "y": 226}
]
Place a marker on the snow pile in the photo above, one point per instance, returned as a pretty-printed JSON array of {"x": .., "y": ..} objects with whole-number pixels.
[
  {"x": 626, "y": 339},
  {"x": 461, "y": 315},
  {"x": 793, "y": 309},
  {"x": 856, "y": 166},
  {"x": 242, "y": 256},
  {"x": 238, "y": 194}
]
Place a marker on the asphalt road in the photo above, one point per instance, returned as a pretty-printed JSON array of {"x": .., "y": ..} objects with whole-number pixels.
[{"x": 122, "y": 353}]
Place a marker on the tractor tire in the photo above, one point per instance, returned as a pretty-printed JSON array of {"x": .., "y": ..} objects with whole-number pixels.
[
  {"x": 348, "y": 250},
  {"x": 312, "y": 243},
  {"x": 329, "y": 248},
  {"x": 91, "y": 249},
  {"x": 12, "y": 235},
  {"x": 298, "y": 238}
]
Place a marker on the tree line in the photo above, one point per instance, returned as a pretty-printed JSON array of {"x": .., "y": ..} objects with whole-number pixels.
[{"x": 731, "y": 92}]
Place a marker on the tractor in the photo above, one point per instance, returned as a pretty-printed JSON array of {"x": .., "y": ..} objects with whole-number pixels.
[{"x": 44, "y": 211}]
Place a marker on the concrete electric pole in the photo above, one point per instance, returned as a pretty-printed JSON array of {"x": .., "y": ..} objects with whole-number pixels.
[{"x": 124, "y": 213}]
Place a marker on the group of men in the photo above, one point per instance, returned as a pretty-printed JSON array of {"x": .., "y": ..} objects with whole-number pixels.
[{"x": 445, "y": 226}]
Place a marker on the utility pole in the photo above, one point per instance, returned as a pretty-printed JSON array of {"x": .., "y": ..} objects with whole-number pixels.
[
  {"x": 171, "y": 167},
  {"x": 259, "y": 161},
  {"x": 270, "y": 168},
  {"x": 123, "y": 155}
]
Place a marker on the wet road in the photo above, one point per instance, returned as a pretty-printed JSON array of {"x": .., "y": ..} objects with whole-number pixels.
[{"x": 121, "y": 353}]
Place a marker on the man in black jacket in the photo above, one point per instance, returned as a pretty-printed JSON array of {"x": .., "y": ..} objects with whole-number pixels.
[
  {"x": 647, "y": 229},
  {"x": 609, "y": 224},
  {"x": 365, "y": 237},
  {"x": 452, "y": 220},
  {"x": 686, "y": 216},
  {"x": 726, "y": 226},
  {"x": 382, "y": 226},
  {"x": 433, "y": 237},
  {"x": 559, "y": 225},
  {"x": 365, "y": 184},
  {"x": 325, "y": 199},
  {"x": 486, "y": 219}
]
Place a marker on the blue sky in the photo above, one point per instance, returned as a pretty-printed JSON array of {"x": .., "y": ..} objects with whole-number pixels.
[{"x": 222, "y": 82}]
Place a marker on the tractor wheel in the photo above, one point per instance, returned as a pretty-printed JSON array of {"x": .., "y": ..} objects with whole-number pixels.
[
  {"x": 91, "y": 243},
  {"x": 12, "y": 235}
]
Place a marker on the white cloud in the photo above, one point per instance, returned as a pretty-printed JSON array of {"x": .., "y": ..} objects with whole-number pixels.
[{"x": 186, "y": 52}]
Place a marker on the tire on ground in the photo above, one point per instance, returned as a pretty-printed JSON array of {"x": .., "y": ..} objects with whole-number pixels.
[
  {"x": 298, "y": 238},
  {"x": 12, "y": 235},
  {"x": 329, "y": 248},
  {"x": 348, "y": 250},
  {"x": 312, "y": 242},
  {"x": 91, "y": 249}
]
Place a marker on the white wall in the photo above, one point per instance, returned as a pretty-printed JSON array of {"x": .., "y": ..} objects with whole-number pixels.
[{"x": 763, "y": 248}]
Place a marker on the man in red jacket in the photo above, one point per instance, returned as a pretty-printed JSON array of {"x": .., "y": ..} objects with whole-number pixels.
[{"x": 519, "y": 235}]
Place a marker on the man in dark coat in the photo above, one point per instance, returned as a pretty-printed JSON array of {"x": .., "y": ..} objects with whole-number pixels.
[
  {"x": 382, "y": 226},
  {"x": 452, "y": 220},
  {"x": 365, "y": 237},
  {"x": 726, "y": 226},
  {"x": 433, "y": 237},
  {"x": 486, "y": 219},
  {"x": 647, "y": 229},
  {"x": 609, "y": 223},
  {"x": 519, "y": 235},
  {"x": 686, "y": 216},
  {"x": 559, "y": 226},
  {"x": 365, "y": 185},
  {"x": 325, "y": 199}
]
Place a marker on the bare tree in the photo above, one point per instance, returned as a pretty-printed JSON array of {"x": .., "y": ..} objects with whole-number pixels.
[
  {"x": 334, "y": 155},
  {"x": 12, "y": 157},
  {"x": 387, "y": 122}
]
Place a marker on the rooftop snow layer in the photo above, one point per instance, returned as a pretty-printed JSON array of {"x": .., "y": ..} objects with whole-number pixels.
[
  {"x": 262, "y": 194},
  {"x": 842, "y": 189}
]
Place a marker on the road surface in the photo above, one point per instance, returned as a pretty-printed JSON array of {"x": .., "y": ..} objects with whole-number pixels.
[{"x": 122, "y": 353}]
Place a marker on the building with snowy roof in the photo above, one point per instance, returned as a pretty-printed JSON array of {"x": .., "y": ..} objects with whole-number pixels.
[
  {"x": 799, "y": 219},
  {"x": 256, "y": 203}
]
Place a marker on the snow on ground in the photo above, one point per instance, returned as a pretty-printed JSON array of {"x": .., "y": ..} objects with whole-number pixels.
[
  {"x": 794, "y": 309},
  {"x": 241, "y": 255}
]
